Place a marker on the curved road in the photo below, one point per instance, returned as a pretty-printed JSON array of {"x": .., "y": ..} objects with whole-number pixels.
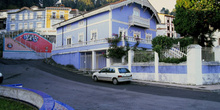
[{"x": 82, "y": 93}]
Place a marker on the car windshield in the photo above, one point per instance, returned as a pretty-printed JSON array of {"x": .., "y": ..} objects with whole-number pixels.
[{"x": 123, "y": 70}]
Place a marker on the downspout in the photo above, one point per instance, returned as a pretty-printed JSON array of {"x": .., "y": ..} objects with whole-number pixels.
[
  {"x": 86, "y": 31},
  {"x": 62, "y": 35}
]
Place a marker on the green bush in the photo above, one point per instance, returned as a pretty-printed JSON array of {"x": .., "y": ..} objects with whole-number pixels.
[{"x": 173, "y": 60}]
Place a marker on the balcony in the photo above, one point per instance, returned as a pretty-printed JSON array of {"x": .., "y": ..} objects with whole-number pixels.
[{"x": 139, "y": 21}]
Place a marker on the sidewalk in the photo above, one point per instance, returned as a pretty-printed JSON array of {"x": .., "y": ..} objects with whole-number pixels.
[{"x": 205, "y": 88}]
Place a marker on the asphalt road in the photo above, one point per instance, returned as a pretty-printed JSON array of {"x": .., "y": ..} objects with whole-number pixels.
[{"x": 82, "y": 93}]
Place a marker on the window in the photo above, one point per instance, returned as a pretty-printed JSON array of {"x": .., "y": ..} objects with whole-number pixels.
[
  {"x": 122, "y": 32},
  {"x": 26, "y": 16},
  {"x": 31, "y": 26},
  {"x": 20, "y": 16},
  {"x": 81, "y": 37},
  {"x": 136, "y": 12},
  {"x": 123, "y": 70},
  {"x": 168, "y": 21},
  {"x": 81, "y": 23},
  {"x": 111, "y": 70},
  {"x": 12, "y": 26},
  {"x": 61, "y": 15},
  {"x": 25, "y": 26},
  {"x": 12, "y": 17},
  {"x": 137, "y": 34},
  {"x": 39, "y": 15},
  {"x": 94, "y": 35},
  {"x": 168, "y": 34},
  {"x": 172, "y": 28},
  {"x": 68, "y": 41},
  {"x": 39, "y": 25},
  {"x": 168, "y": 28},
  {"x": 31, "y": 15},
  {"x": 20, "y": 26},
  {"x": 53, "y": 15},
  {"x": 148, "y": 37}
]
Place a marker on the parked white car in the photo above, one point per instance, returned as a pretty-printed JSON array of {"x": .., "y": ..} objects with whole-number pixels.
[
  {"x": 1, "y": 78},
  {"x": 114, "y": 74}
]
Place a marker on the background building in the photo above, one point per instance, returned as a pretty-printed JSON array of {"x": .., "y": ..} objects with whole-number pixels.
[{"x": 166, "y": 27}]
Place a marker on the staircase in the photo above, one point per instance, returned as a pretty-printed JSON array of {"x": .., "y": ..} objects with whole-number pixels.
[{"x": 174, "y": 53}]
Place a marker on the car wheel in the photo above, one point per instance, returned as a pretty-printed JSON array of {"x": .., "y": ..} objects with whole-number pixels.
[
  {"x": 95, "y": 79},
  {"x": 115, "y": 81}
]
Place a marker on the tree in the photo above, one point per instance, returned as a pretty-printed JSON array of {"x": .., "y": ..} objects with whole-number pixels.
[{"x": 197, "y": 18}]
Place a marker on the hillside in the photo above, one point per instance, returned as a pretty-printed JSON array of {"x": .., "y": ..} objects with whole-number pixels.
[{"x": 75, "y": 4}]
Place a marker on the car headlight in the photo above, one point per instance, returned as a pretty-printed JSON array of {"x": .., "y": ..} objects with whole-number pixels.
[{"x": 0, "y": 74}]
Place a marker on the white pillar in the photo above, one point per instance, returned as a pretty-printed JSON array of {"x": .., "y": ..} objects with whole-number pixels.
[
  {"x": 217, "y": 53},
  {"x": 108, "y": 60},
  {"x": 156, "y": 64},
  {"x": 130, "y": 58},
  {"x": 194, "y": 65},
  {"x": 93, "y": 60}
]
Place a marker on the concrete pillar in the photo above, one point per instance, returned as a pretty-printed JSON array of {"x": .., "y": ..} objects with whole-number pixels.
[
  {"x": 130, "y": 58},
  {"x": 156, "y": 64},
  {"x": 217, "y": 53},
  {"x": 93, "y": 60},
  {"x": 108, "y": 60},
  {"x": 194, "y": 65}
]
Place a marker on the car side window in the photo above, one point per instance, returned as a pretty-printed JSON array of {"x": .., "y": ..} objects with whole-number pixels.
[
  {"x": 111, "y": 70},
  {"x": 104, "y": 70}
]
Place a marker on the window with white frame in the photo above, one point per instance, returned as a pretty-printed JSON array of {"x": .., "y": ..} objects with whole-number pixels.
[
  {"x": 53, "y": 15},
  {"x": 39, "y": 15},
  {"x": 81, "y": 37},
  {"x": 31, "y": 25},
  {"x": 25, "y": 26},
  {"x": 94, "y": 35},
  {"x": 61, "y": 15},
  {"x": 31, "y": 15},
  {"x": 148, "y": 37},
  {"x": 122, "y": 32},
  {"x": 12, "y": 26},
  {"x": 136, "y": 12},
  {"x": 81, "y": 23},
  {"x": 13, "y": 17},
  {"x": 20, "y": 16},
  {"x": 136, "y": 34},
  {"x": 20, "y": 26},
  {"x": 39, "y": 25},
  {"x": 68, "y": 41},
  {"x": 26, "y": 16}
]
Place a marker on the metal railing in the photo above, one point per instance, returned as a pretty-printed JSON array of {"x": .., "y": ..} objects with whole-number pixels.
[
  {"x": 208, "y": 54},
  {"x": 136, "y": 20},
  {"x": 143, "y": 56}
]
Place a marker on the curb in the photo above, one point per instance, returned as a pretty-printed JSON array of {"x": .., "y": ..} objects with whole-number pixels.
[
  {"x": 169, "y": 85},
  {"x": 39, "y": 99}
]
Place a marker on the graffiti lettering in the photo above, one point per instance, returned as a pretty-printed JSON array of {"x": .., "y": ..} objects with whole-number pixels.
[{"x": 30, "y": 37}]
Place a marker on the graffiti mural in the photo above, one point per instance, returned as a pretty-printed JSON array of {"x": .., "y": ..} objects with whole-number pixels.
[{"x": 30, "y": 37}]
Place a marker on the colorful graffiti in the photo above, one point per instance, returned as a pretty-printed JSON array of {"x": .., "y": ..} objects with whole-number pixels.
[
  {"x": 30, "y": 37},
  {"x": 35, "y": 42}
]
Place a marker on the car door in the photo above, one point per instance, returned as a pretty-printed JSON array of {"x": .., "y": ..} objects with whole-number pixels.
[
  {"x": 110, "y": 74},
  {"x": 103, "y": 74}
]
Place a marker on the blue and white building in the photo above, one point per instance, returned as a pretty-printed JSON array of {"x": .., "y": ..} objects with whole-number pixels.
[
  {"x": 25, "y": 19},
  {"x": 81, "y": 40}
]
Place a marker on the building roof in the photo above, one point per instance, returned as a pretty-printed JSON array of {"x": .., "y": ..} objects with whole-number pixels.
[
  {"x": 26, "y": 8},
  {"x": 166, "y": 15},
  {"x": 108, "y": 7}
]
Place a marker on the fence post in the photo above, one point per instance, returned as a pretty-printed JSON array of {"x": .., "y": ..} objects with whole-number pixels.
[
  {"x": 130, "y": 59},
  {"x": 156, "y": 64},
  {"x": 217, "y": 53},
  {"x": 93, "y": 60},
  {"x": 194, "y": 65}
]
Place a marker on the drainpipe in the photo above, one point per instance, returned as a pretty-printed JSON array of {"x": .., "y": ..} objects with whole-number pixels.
[
  {"x": 62, "y": 35},
  {"x": 86, "y": 31}
]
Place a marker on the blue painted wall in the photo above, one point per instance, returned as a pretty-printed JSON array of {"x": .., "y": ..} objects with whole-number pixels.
[
  {"x": 173, "y": 69},
  {"x": 143, "y": 69},
  {"x": 210, "y": 69},
  {"x": 65, "y": 59}
]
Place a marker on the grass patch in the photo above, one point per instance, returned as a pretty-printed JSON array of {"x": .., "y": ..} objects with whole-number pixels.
[{"x": 10, "y": 104}]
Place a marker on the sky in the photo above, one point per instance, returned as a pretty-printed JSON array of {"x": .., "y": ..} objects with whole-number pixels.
[{"x": 159, "y": 4}]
